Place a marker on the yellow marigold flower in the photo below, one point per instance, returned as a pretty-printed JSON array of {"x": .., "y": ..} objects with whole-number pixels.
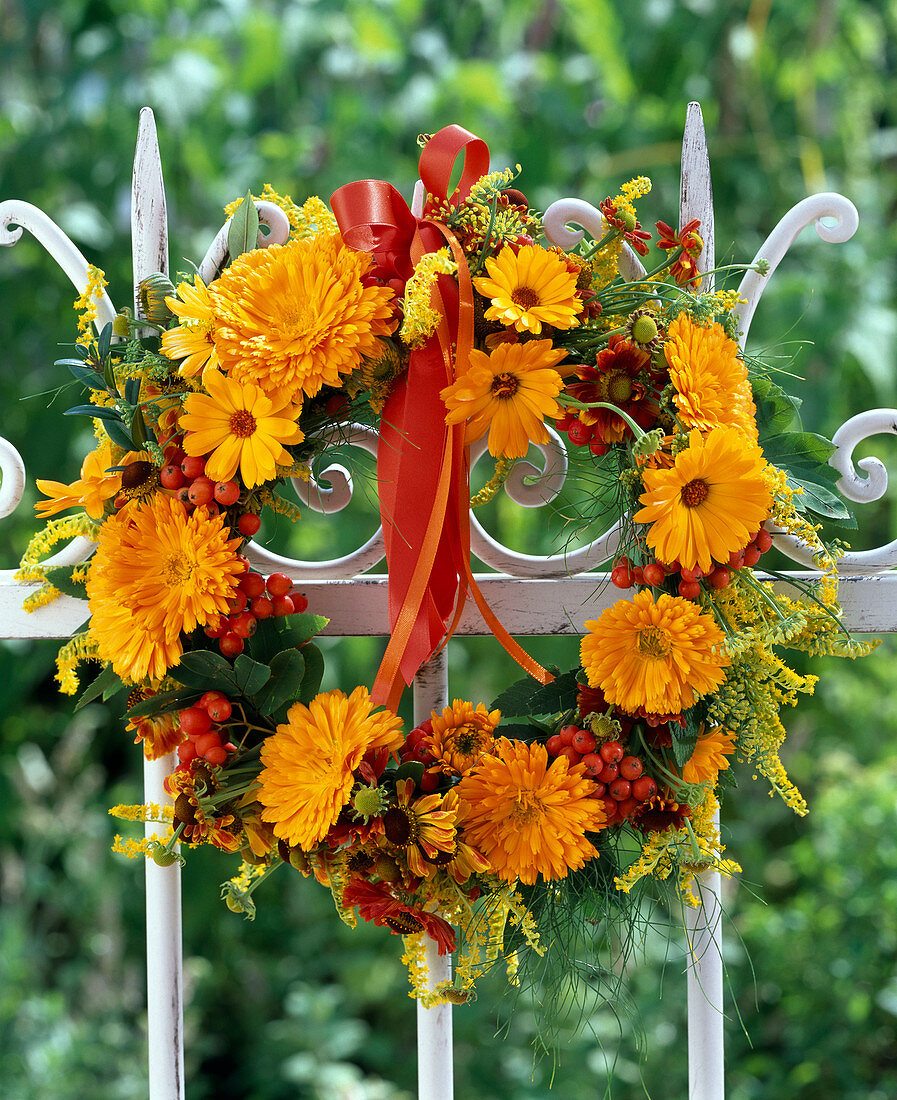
[
  {"x": 295, "y": 317},
  {"x": 661, "y": 656},
  {"x": 418, "y": 828},
  {"x": 90, "y": 492},
  {"x": 509, "y": 393},
  {"x": 709, "y": 757},
  {"x": 709, "y": 503},
  {"x": 530, "y": 288},
  {"x": 193, "y": 339},
  {"x": 711, "y": 380},
  {"x": 308, "y": 762},
  {"x": 157, "y": 572},
  {"x": 527, "y": 818},
  {"x": 461, "y": 734},
  {"x": 239, "y": 427}
]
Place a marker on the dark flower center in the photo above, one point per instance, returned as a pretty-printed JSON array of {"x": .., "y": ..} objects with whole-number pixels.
[
  {"x": 524, "y": 296},
  {"x": 504, "y": 386},
  {"x": 242, "y": 424},
  {"x": 694, "y": 493}
]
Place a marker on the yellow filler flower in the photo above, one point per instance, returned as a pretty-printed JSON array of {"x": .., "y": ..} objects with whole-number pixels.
[
  {"x": 157, "y": 572},
  {"x": 296, "y": 317},
  {"x": 239, "y": 427},
  {"x": 711, "y": 381},
  {"x": 662, "y": 656},
  {"x": 308, "y": 762},
  {"x": 530, "y": 288},
  {"x": 527, "y": 818},
  {"x": 710, "y": 503},
  {"x": 509, "y": 393}
]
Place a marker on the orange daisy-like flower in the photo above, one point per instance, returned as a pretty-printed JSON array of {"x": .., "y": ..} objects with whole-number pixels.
[
  {"x": 308, "y": 762},
  {"x": 709, "y": 503},
  {"x": 239, "y": 427},
  {"x": 467, "y": 860},
  {"x": 711, "y": 381},
  {"x": 527, "y": 818},
  {"x": 156, "y": 574},
  {"x": 160, "y": 734},
  {"x": 90, "y": 491},
  {"x": 418, "y": 828},
  {"x": 709, "y": 757},
  {"x": 529, "y": 288},
  {"x": 193, "y": 339},
  {"x": 296, "y": 317},
  {"x": 621, "y": 376},
  {"x": 509, "y": 393},
  {"x": 461, "y": 734},
  {"x": 662, "y": 656}
]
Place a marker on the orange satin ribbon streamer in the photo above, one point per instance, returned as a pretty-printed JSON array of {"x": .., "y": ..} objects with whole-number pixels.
[{"x": 435, "y": 572}]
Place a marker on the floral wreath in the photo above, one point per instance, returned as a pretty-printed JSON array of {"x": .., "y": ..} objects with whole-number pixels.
[{"x": 440, "y": 326}]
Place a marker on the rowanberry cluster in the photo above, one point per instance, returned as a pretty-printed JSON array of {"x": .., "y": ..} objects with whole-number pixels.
[
  {"x": 185, "y": 475},
  {"x": 624, "y": 574},
  {"x": 205, "y": 726},
  {"x": 618, "y": 777},
  {"x": 254, "y": 599}
]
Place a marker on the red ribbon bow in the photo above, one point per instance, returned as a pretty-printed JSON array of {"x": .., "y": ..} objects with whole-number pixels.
[{"x": 423, "y": 464}]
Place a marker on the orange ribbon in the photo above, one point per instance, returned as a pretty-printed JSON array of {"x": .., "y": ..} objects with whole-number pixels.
[{"x": 422, "y": 463}]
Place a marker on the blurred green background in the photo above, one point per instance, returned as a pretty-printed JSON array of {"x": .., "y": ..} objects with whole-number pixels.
[{"x": 798, "y": 97}]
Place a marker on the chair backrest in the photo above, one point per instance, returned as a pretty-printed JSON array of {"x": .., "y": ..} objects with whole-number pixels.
[{"x": 532, "y": 595}]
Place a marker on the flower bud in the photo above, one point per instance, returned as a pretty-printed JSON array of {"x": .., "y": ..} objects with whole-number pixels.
[{"x": 151, "y": 294}]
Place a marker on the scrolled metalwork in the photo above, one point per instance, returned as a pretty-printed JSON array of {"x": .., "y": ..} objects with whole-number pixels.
[
  {"x": 269, "y": 215},
  {"x": 565, "y": 212}
]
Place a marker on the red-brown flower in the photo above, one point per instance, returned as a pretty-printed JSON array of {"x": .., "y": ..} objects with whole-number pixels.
[
  {"x": 377, "y": 903},
  {"x": 685, "y": 268},
  {"x": 632, "y": 233}
]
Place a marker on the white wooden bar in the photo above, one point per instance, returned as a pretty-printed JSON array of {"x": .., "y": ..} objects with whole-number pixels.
[
  {"x": 435, "y": 1065},
  {"x": 164, "y": 980},
  {"x": 703, "y": 925}
]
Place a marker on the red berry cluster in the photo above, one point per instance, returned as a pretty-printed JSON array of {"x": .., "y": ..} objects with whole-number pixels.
[
  {"x": 618, "y": 777},
  {"x": 185, "y": 475},
  {"x": 625, "y": 574},
  {"x": 254, "y": 599},
  {"x": 199, "y": 722}
]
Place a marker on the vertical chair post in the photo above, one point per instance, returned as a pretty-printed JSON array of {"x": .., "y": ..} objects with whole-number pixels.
[
  {"x": 164, "y": 990},
  {"x": 706, "y": 1072},
  {"x": 435, "y": 1067}
]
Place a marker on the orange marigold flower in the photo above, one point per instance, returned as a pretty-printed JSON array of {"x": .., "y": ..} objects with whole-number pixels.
[
  {"x": 295, "y": 317},
  {"x": 460, "y": 735},
  {"x": 662, "y": 656},
  {"x": 709, "y": 503},
  {"x": 529, "y": 818},
  {"x": 157, "y": 573},
  {"x": 529, "y": 287},
  {"x": 159, "y": 734},
  {"x": 709, "y": 757},
  {"x": 711, "y": 380},
  {"x": 239, "y": 427},
  {"x": 509, "y": 393},
  {"x": 308, "y": 762}
]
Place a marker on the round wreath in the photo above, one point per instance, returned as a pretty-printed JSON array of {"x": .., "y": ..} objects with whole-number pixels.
[{"x": 439, "y": 326}]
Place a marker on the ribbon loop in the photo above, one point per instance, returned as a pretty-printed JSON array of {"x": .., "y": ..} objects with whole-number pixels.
[{"x": 437, "y": 161}]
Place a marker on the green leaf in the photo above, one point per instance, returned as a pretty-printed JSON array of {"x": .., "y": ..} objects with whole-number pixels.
[
  {"x": 99, "y": 411},
  {"x": 287, "y": 670},
  {"x": 520, "y": 731},
  {"x": 132, "y": 390},
  {"x": 314, "y": 673},
  {"x": 249, "y": 676},
  {"x": 819, "y": 499},
  {"x": 104, "y": 342},
  {"x": 204, "y": 671},
  {"x": 242, "y": 233},
  {"x": 104, "y": 680},
  {"x": 529, "y": 697},
  {"x": 775, "y": 408},
  {"x": 792, "y": 449},
  {"x": 164, "y": 703},
  {"x": 684, "y": 740},
  {"x": 515, "y": 700},
  {"x": 87, "y": 375},
  {"x": 61, "y": 577},
  {"x": 299, "y": 629},
  {"x": 116, "y": 432},
  {"x": 411, "y": 769},
  {"x": 138, "y": 429}
]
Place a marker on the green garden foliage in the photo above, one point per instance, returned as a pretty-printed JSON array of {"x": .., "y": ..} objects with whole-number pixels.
[{"x": 306, "y": 95}]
